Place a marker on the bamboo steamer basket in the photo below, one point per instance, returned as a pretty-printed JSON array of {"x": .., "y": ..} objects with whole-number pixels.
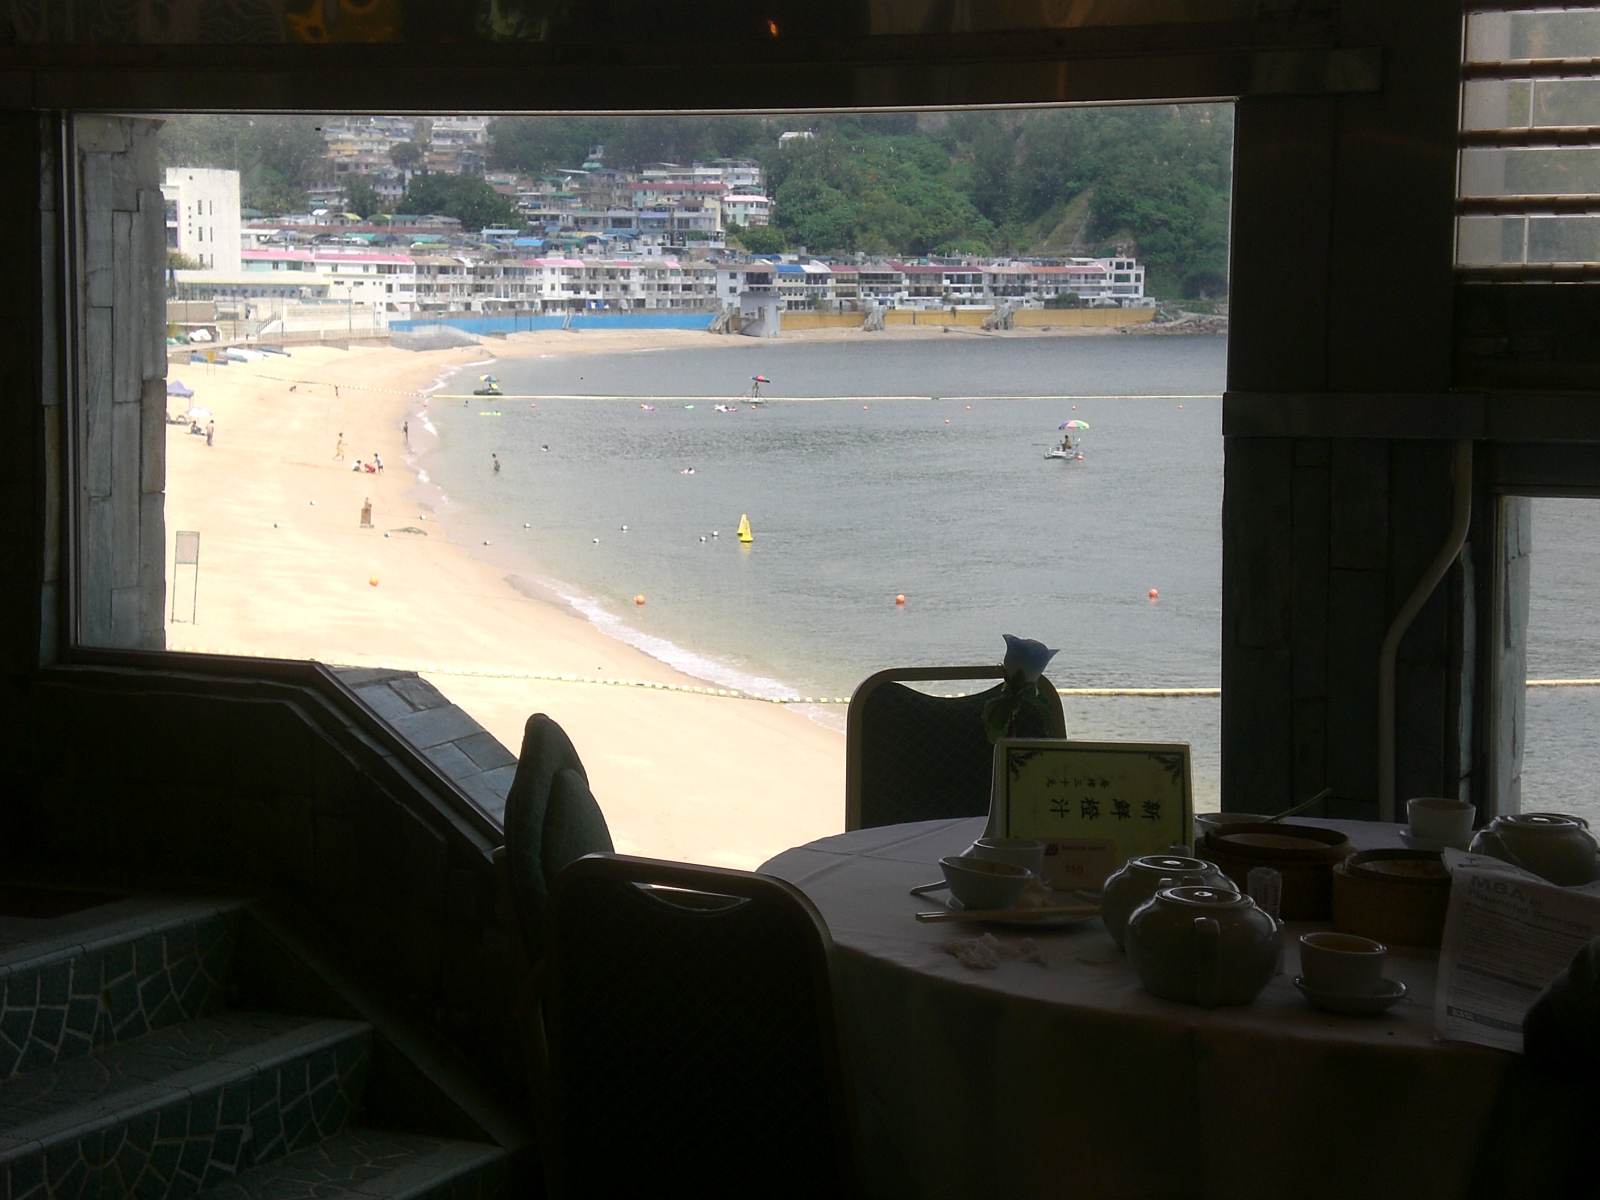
[
  {"x": 1304, "y": 855},
  {"x": 1398, "y": 897}
]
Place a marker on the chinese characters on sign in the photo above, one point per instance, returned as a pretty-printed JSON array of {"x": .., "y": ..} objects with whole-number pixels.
[{"x": 1095, "y": 804}]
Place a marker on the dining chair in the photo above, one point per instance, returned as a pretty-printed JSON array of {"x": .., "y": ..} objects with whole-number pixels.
[
  {"x": 551, "y": 819},
  {"x": 694, "y": 1036},
  {"x": 910, "y": 756}
]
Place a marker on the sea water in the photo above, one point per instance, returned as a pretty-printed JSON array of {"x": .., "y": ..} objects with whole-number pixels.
[{"x": 856, "y": 499}]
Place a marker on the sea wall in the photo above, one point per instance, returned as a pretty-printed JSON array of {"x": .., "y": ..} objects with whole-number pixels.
[
  {"x": 527, "y": 322},
  {"x": 1031, "y": 317}
]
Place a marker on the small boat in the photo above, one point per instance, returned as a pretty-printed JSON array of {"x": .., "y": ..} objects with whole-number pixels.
[
  {"x": 1066, "y": 455},
  {"x": 728, "y": 408},
  {"x": 492, "y": 390}
]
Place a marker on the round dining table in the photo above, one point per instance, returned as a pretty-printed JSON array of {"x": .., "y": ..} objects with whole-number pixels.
[{"x": 1066, "y": 1079}]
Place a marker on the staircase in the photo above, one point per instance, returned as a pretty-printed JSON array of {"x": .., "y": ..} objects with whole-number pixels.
[{"x": 160, "y": 1049}]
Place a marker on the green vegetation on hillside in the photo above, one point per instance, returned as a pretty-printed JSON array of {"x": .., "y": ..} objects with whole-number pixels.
[
  {"x": 466, "y": 197},
  {"x": 539, "y": 144},
  {"x": 277, "y": 158}
]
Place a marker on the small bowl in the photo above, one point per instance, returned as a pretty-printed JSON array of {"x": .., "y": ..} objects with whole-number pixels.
[
  {"x": 1204, "y": 823},
  {"x": 982, "y": 883},
  {"x": 1019, "y": 852}
]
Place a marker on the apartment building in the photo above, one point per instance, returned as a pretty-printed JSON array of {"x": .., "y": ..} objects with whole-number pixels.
[{"x": 202, "y": 216}]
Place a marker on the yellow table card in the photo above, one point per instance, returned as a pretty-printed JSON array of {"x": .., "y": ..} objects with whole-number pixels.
[{"x": 1094, "y": 804}]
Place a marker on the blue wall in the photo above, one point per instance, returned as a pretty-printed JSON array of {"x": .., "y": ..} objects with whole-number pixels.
[{"x": 520, "y": 324}]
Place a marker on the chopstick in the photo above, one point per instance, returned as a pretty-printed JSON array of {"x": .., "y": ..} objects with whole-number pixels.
[{"x": 1008, "y": 914}]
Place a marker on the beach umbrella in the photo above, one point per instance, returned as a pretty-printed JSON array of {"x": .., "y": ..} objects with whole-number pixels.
[
  {"x": 488, "y": 379},
  {"x": 1073, "y": 425},
  {"x": 178, "y": 388},
  {"x": 759, "y": 379},
  {"x": 199, "y": 414}
]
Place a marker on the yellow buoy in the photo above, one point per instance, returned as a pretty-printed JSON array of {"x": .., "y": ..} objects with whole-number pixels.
[{"x": 744, "y": 529}]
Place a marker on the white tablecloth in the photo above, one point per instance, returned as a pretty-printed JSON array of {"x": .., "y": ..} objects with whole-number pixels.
[{"x": 1070, "y": 1080}]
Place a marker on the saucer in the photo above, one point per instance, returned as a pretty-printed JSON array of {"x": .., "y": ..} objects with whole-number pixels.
[
  {"x": 1390, "y": 993},
  {"x": 1022, "y": 921},
  {"x": 1418, "y": 843}
]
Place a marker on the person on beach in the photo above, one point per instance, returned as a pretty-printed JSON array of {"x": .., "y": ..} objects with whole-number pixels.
[
  {"x": 338, "y": 450},
  {"x": 357, "y": 465},
  {"x": 496, "y": 458},
  {"x": 405, "y": 432},
  {"x": 211, "y": 431},
  {"x": 377, "y": 462},
  {"x": 336, "y": 391}
]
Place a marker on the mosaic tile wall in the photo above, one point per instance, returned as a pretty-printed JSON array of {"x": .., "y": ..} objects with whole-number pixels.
[
  {"x": 112, "y": 993},
  {"x": 188, "y": 1138}
]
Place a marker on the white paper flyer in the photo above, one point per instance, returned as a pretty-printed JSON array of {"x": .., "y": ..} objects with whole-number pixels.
[{"x": 1505, "y": 937}]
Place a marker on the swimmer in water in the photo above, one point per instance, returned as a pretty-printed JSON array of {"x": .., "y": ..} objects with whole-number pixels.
[{"x": 496, "y": 458}]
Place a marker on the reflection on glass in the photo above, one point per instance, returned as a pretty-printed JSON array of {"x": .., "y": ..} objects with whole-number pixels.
[
  {"x": 1530, "y": 104},
  {"x": 1515, "y": 240},
  {"x": 1563, "y": 171},
  {"x": 1505, "y": 37}
]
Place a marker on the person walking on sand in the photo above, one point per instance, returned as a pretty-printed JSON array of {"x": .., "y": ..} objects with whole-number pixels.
[
  {"x": 377, "y": 462},
  {"x": 211, "y": 431},
  {"x": 336, "y": 391},
  {"x": 405, "y": 432},
  {"x": 338, "y": 449}
]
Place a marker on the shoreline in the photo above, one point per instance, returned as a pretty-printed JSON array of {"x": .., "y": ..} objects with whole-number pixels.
[{"x": 287, "y": 571}]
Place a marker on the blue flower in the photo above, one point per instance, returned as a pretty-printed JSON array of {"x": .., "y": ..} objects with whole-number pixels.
[{"x": 1025, "y": 657}]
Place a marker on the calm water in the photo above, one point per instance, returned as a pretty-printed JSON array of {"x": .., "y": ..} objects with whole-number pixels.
[
  {"x": 856, "y": 501},
  {"x": 949, "y": 502},
  {"x": 1561, "y": 757}
]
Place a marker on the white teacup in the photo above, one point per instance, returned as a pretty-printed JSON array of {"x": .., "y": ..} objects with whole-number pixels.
[
  {"x": 982, "y": 883},
  {"x": 1020, "y": 852},
  {"x": 1437, "y": 819},
  {"x": 1342, "y": 963}
]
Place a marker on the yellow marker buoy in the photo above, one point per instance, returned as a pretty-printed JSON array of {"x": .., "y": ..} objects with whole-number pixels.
[
  {"x": 638, "y": 599},
  {"x": 744, "y": 530},
  {"x": 373, "y": 581}
]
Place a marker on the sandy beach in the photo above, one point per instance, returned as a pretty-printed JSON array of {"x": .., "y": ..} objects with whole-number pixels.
[{"x": 287, "y": 570}]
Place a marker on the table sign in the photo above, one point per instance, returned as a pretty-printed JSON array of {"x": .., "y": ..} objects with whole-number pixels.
[{"x": 1094, "y": 804}]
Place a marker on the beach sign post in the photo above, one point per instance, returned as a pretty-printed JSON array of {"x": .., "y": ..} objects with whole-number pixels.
[{"x": 186, "y": 554}]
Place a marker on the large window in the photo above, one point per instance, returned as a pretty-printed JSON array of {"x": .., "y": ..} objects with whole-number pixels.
[{"x": 495, "y": 408}]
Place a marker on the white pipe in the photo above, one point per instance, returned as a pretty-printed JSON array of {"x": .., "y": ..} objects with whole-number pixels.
[{"x": 1461, "y": 522}]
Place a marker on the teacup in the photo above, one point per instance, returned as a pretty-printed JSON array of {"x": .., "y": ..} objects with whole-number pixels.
[
  {"x": 1436, "y": 819},
  {"x": 1342, "y": 963},
  {"x": 981, "y": 883},
  {"x": 1020, "y": 852}
]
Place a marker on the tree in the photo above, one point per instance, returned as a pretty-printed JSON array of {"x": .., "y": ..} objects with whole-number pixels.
[
  {"x": 360, "y": 197},
  {"x": 759, "y": 239},
  {"x": 277, "y": 158},
  {"x": 405, "y": 154},
  {"x": 466, "y": 197}
]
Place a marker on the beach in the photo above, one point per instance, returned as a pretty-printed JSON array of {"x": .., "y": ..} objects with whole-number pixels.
[{"x": 287, "y": 570}]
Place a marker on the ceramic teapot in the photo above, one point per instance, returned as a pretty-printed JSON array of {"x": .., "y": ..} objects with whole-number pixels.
[
  {"x": 1203, "y": 945},
  {"x": 1141, "y": 878},
  {"x": 1551, "y": 845}
]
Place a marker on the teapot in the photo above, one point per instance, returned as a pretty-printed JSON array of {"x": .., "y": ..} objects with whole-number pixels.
[
  {"x": 1203, "y": 945},
  {"x": 1141, "y": 878},
  {"x": 1551, "y": 845}
]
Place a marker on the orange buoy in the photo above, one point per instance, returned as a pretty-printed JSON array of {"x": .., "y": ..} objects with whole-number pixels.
[
  {"x": 1080, "y": 458},
  {"x": 373, "y": 581},
  {"x": 638, "y": 599},
  {"x": 969, "y": 408},
  {"x": 900, "y": 600},
  {"x": 1180, "y": 406},
  {"x": 947, "y": 420},
  {"x": 1154, "y": 593}
]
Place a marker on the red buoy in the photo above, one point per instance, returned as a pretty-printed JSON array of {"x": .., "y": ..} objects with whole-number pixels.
[
  {"x": 900, "y": 600},
  {"x": 1154, "y": 593},
  {"x": 638, "y": 599}
]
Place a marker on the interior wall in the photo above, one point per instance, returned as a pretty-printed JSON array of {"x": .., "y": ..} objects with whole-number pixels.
[{"x": 1342, "y": 286}]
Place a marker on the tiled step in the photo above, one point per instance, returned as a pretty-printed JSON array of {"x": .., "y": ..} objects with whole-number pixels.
[
  {"x": 105, "y": 976},
  {"x": 184, "y": 1108},
  {"x": 367, "y": 1164}
]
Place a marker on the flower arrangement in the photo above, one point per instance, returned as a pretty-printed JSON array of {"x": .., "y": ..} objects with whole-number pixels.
[{"x": 1024, "y": 662}]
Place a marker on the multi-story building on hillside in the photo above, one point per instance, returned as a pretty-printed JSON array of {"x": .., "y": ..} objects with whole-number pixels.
[{"x": 202, "y": 216}]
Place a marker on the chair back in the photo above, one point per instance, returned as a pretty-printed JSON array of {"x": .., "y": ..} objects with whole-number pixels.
[
  {"x": 551, "y": 819},
  {"x": 910, "y": 756},
  {"x": 694, "y": 1036}
]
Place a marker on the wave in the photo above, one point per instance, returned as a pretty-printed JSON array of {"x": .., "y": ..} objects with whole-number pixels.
[{"x": 659, "y": 648}]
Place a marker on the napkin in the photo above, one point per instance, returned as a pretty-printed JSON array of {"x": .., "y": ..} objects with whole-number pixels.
[{"x": 988, "y": 952}]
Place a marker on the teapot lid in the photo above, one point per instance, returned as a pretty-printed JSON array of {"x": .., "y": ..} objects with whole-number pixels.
[
  {"x": 1540, "y": 822},
  {"x": 1170, "y": 864},
  {"x": 1205, "y": 897}
]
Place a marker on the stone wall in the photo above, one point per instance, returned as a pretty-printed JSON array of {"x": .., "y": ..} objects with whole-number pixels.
[{"x": 122, "y": 378}]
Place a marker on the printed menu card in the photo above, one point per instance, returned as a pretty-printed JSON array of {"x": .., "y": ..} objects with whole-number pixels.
[{"x": 1094, "y": 804}]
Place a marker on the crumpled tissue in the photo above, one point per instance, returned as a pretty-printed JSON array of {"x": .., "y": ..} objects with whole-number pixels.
[{"x": 988, "y": 952}]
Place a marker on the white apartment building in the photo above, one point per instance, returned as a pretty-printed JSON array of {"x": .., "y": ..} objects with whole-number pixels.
[
  {"x": 749, "y": 210},
  {"x": 203, "y": 216},
  {"x": 386, "y": 281}
]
